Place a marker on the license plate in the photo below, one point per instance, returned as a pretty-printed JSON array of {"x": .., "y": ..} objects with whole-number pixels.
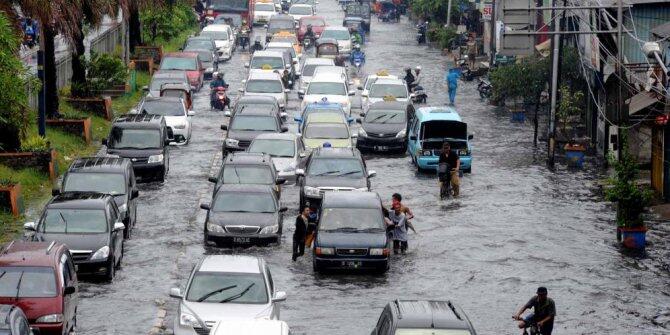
[
  {"x": 241, "y": 239},
  {"x": 381, "y": 148},
  {"x": 351, "y": 264}
]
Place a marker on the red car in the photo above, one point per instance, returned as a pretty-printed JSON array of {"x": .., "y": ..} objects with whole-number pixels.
[
  {"x": 318, "y": 24},
  {"x": 40, "y": 278},
  {"x": 185, "y": 61}
]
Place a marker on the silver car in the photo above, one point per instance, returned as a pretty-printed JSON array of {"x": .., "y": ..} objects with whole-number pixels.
[
  {"x": 225, "y": 287},
  {"x": 287, "y": 151}
]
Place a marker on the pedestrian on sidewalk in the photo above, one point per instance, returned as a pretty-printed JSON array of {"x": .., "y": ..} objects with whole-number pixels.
[
  {"x": 451, "y": 78},
  {"x": 300, "y": 233},
  {"x": 399, "y": 221}
]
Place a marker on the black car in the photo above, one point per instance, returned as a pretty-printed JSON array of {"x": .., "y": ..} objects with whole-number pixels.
[
  {"x": 243, "y": 214},
  {"x": 332, "y": 169},
  {"x": 113, "y": 176},
  {"x": 13, "y": 321},
  {"x": 384, "y": 126},
  {"x": 255, "y": 102},
  {"x": 423, "y": 317},
  {"x": 248, "y": 168},
  {"x": 245, "y": 127},
  {"x": 351, "y": 233},
  {"x": 89, "y": 224},
  {"x": 144, "y": 139}
]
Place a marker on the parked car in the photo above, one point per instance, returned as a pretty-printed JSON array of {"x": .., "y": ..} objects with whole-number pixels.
[
  {"x": 266, "y": 84},
  {"x": 299, "y": 11},
  {"x": 385, "y": 89},
  {"x": 327, "y": 127},
  {"x": 185, "y": 61},
  {"x": 226, "y": 287},
  {"x": 174, "y": 111},
  {"x": 245, "y": 127},
  {"x": 161, "y": 78},
  {"x": 423, "y": 317},
  {"x": 224, "y": 39},
  {"x": 248, "y": 168},
  {"x": 341, "y": 34},
  {"x": 384, "y": 126},
  {"x": 332, "y": 169},
  {"x": 144, "y": 139},
  {"x": 255, "y": 102},
  {"x": 90, "y": 224},
  {"x": 251, "y": 327},
  {"x": 113, "y": 176},
  {"x": 429, "y": 129},
  {"x": 40, "y": 278},
  {"x": 14, "y": 322},
  {"x": 244, "y": 214},
  {"x": 318, "y": 23},
  {"x": 351, "y": 233},
  {"x": 287, "y": 152},
  {"x": 308, "y": 67}
]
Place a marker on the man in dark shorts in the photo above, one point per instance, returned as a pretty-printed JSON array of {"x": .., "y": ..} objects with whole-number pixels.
[{"x": 544, "y": 311}]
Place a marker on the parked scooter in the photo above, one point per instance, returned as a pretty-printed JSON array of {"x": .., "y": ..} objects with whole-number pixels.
[
  {"x": 485, "y": 89},
  {"x": 419, "y": 95}
]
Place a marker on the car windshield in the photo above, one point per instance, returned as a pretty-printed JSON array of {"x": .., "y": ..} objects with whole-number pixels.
[
  {"x": 385, "y": 116},
  {"x": 216, "y": 35},
  {"x": 326, "y": 88},
  {"x": 351, "y": 218},
  {"x": 276, "y": 25},
  {"x": 326, "y": 131},
  {"x": 300, "y": 10},
  {"x": 30, "y": 281},
  {"x": 199, "y": 44},
  {"x": 179, "y": 63},
  {"x": 157, "y": 83},
  {"x": 432, "y": 331},
  {"x": 74, "y": 221},
  {"x": 265, "y": 7},
  {"x": 108, "y": 183},
  {"x": 314, "y": 22},
  {"x": 269, "y": 63},
  {"x": 222, "y": 287},
  {"x": 345, "y": 167},
  {"x": 264, "y": 86},
  {"x": 383, "y": 90},
  {"x": 254, "y": 123},
  {"x": 247, "y": 174},
  {"x": 244, "y": 202},
  {"x": 130, "y": 138},
  {"x": 165, "y": 108},
  {"x": 336, "y": 34},
  {"x": 274, "y": 148}
]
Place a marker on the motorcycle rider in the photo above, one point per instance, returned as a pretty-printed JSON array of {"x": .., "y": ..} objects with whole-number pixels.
[
  {"x": 216, "y": 83},
  {"x": 356, "y": 53},
  {"x": 409, "y": 79},
  {"x": 544, "y": 311}
]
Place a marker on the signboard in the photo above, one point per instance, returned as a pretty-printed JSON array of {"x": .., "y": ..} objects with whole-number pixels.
[{"x": 487, "y": 11}]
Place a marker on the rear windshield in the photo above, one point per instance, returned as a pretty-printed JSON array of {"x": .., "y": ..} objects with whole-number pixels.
[
  {"x": 178, "y": 63},
  {"x": 108, "y": 183},
  {"x": 27, "y": 282}
]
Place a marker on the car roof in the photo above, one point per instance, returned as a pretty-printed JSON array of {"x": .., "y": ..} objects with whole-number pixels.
[
  {"x": 336, "y": 152},
  {"x": 248, "y": 158},
  {"x": 25, "y": 253},
  {"x": 386, "y": 105},
  {"x": 139, "y": 121},
  {"x": 441, "y": 113},
  {"x": 261, "y": 99},
  {"x": 90, "y": 200},
  {"x": 99, "y": 164},
  {"x": 277, "y": 136},
  {"x": 216, "y": 27},
  {"x": 230, "y": 263},
  {"x": 264, "y": 75},
  {"x": 326, "y": 117},
  {"x": 353, "y": 199},
  {"x": 429, "y": 314}
]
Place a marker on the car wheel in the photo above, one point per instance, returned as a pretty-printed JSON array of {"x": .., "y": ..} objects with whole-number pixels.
[{"x": 110, "y": 270}]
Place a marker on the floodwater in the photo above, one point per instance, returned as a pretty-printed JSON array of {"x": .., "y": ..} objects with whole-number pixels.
[{"x": 516, "y": 226}]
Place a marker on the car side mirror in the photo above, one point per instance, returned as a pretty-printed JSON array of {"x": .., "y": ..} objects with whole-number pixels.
[
  {"x": 280, "y": 181},
  {"x": 471, "y": 136},
  {"x": 190, "y": 113},
  {"x": 412, "y": 138},
  {"x": 119, "y": 226},
  {"x": 175, "y": 292},
  {"x": 372, "y": 173},
  {"x": 283, "y": 209},
  {"x": 69, "y": 290},
  {"x": 55, "y": 192},
  {"x": 283, "y": 129},
  {"x": 279, "y": 296},
  {"x": 104, "y": 141},
  {"x": 205, "y": 206},
  {"x": 299, "y": 172},
  {"x": 30, "y": 226},
  {"x": 224, "y": 127},
  {"x": 134, "y": 194}
]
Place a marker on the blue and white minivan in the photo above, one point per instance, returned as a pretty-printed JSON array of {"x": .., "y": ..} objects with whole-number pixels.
[{"x": 432, "y": 126}]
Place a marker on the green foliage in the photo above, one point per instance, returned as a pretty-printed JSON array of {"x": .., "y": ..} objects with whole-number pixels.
[
  {"x": 34, "y": 143},
  {"x": 570, "y": 104},
  {"x": 522, "y": 81},
  {"x": 166, "y": 22},
  {"x": 103, "y": 71}
]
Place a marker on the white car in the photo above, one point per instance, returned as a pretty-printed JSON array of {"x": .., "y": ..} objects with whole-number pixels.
[
  {"x": 226, "y": 287},
  {"x": 224, "y": 38},
  {"x": 251, "y": 327},
  {"x": 298, "y": 11},
  {"x": 266, "y": 83},
  {"x": 341, "y": 34},
  {"x": 173, "y": 110},
  {"x": 331, "y": 87},
  {"x": 308, "y": 68},
  {"x": 384, "y": 88},
  {"x": 287, "y": 151},
  {"x": 263, "y": 11}
]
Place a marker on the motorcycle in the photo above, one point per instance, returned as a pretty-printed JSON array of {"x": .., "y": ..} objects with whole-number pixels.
[
  {"x": 419, "y": 95},
  {"x": 219, "y": 98},
  {"x": 484, "y": 88}
]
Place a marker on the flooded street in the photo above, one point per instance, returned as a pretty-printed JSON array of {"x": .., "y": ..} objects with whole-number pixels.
[{"x": 516, "y": 226}]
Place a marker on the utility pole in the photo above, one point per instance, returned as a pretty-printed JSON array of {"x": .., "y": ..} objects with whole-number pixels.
[
  {"x": 555, "y": 61},
  {"x": 622, "y": 119},
  {"x": 449, "y": 13}
]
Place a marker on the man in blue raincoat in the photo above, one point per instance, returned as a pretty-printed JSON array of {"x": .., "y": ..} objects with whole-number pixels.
[{"x": 451, "y": 77}]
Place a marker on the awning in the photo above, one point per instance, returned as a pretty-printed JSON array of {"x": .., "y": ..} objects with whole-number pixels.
[
  {"x": 640, "y": 101},
  {"x": 662, "y": 31}
]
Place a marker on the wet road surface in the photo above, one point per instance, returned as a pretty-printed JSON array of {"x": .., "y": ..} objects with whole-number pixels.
[{"x": 516, "y": 226}]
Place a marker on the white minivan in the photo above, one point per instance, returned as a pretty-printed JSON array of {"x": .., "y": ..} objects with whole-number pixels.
[{"x": 223, "y": 38}]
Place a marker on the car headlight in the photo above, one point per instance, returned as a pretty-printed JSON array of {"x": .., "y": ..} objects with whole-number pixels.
[
  {"x": 270, "y": 229},
  {"x": 379, "y": 251},
  {"x": 155, "y": 158},
  {"x": 215, "y": 228},
  {"x": 401, "y": 134},
  {"x": 102, "y": 253},
  {"x": 426, "y": 153},
  {"x": 50, "y": 318},
  {"x": 325, "y": 251},
  {"x": 187, "y": 318},
  {"x": 230, "y": 142},
  {"x": 312, "y": 191},
  {"x": 362, "y": 132},
  {"x": 180, "y": 126}
]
